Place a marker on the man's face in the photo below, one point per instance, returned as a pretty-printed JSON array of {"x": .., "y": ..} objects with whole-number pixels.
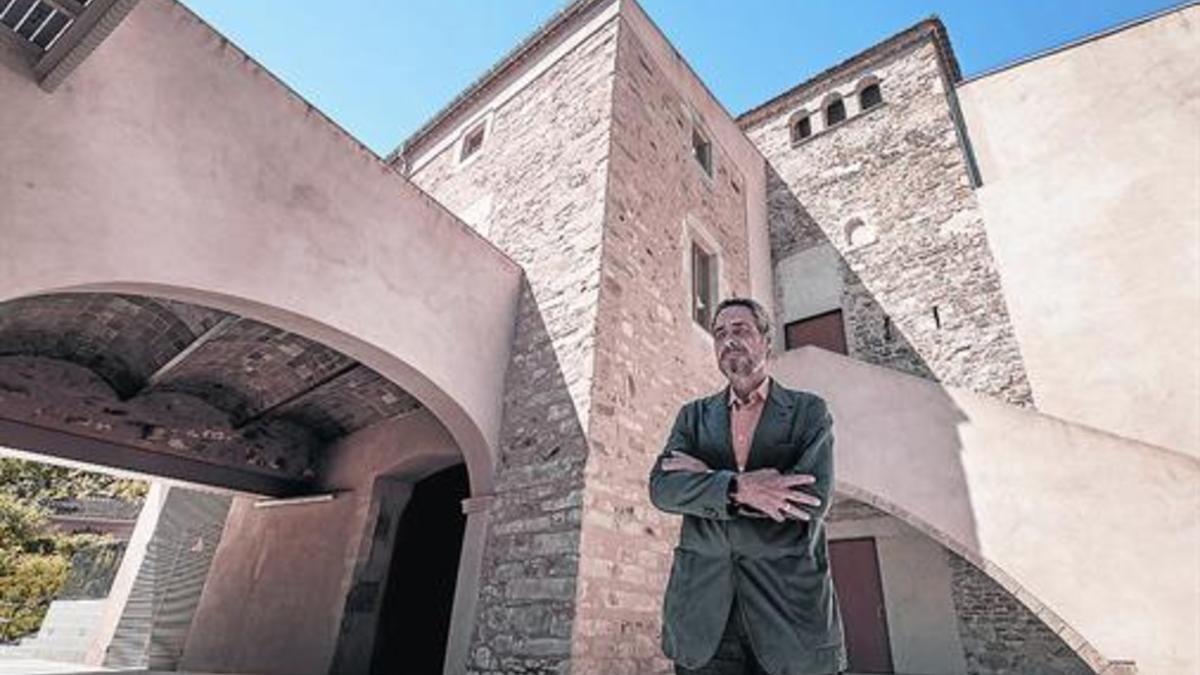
[{"x": 739, "y": 347}]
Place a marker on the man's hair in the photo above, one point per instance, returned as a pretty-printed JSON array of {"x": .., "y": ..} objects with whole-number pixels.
[{"x": 762, "y": 320}]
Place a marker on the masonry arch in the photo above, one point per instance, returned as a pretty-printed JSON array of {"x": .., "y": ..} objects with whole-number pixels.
[
  {"x": 921, "y": 634},
  {"x": 833, "y": 109},
  {"x": 248, "y": 202},
  {"x": 800, "y": 125},
  {"x": 405, "y": 373},
  {"x": 868, "y": 93},
  {"x": 213, "y": 394},
  {"x": 1025, "y": 497}
]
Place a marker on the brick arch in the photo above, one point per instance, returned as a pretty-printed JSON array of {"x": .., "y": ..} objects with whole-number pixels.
[
  {"x": 864, "y": 82},
  {"x": 1078, "y": 644},
  {"x": 403, "y": 372},
  {"x": 831, "y": 99},
  {"x": 861, "y": 86},
  {"x": 264, "y": 208},
  {"x": 794, "y": 119}
]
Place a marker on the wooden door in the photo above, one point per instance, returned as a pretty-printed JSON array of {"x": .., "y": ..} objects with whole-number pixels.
[{"x": 855, "y": 568}]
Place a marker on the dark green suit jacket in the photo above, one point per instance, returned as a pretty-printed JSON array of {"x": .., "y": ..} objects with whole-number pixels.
[{"x": 779, "y": 572}]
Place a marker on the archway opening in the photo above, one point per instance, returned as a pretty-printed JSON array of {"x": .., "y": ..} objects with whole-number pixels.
[
  {"x": 204, "y": 396},
  {"x": 909, "y": 604}
]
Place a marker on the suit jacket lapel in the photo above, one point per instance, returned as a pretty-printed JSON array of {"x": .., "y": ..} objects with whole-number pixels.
[
  {"x": 723, "y": 429},
  {"x": 776, "y": 412}
]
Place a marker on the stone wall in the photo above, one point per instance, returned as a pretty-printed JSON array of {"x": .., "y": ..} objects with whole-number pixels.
[
  {"x": 1000, "y": 635},
  {"x": 536, "y": 189},
  {"x": 920, "y": 288},
  {"x": 651, "y": 356}
]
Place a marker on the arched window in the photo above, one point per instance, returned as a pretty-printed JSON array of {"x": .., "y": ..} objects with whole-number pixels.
[
  {"x": 869, "y": 97},
  {"x": 801, "y": 128},
  {"x": 835, "y": 112}
]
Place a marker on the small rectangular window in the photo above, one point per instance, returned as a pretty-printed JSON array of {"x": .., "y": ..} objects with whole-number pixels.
[
  {"x": 702, "y": 149},
  {"x": 704, "y": 285},
  {"x": 472, "y": 142}
]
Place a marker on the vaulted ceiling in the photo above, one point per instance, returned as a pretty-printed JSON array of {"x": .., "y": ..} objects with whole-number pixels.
[{"x": 184, "y": 380}]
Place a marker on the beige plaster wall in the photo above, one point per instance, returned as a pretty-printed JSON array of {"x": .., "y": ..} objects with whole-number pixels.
[
  {"x": 810, "y": 283},
  {"x": 1097, "y": 534},
  {"x": 917, "y": 595},
  {"x": 1091, "y": 194},
  {"x": 171, "y": 164},
  {"x": 275, "y": 598}
]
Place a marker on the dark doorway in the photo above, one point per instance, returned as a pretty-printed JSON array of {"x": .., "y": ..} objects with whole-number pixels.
[
  {"x": 414, "y": 620},
  {"x": 855, "y": 568}
]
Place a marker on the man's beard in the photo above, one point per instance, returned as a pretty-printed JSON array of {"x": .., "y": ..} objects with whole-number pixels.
[{"x": 738, "y": 364}]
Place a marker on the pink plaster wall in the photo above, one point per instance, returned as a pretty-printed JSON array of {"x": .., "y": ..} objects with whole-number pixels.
[
  {"x": 1098, "y": 534},
  {"x": 170, "y": 163},
  {"x": 274, "y": 599}
]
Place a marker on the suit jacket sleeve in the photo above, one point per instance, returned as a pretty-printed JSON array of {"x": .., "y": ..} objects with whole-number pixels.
[
  {"x": 816, "y": 457},
  {"x": 704, "y": 495}
]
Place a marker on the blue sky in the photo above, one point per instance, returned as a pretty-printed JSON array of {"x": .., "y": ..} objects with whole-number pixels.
[{"x": 383, "y": 67}]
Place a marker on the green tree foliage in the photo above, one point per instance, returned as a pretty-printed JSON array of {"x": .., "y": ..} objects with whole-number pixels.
[
  {"x": 26, "y": 590},
  {"x": 36, "y": 482},
  {"x": 35, "y": 560}
]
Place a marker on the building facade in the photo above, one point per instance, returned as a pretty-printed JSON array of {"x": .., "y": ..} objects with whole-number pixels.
[{"x": 524, "y": 287}]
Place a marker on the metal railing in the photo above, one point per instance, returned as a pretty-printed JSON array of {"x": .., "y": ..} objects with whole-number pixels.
[{"x": 40, "y": 23}]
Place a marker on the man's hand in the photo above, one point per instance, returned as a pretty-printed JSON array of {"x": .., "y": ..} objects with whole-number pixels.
[
  {"x": 774, "y": 494},
  {"x": 681, "y": 461}
]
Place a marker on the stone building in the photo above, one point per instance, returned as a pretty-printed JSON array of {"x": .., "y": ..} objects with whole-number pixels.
[{"x": 435, "y": 382}]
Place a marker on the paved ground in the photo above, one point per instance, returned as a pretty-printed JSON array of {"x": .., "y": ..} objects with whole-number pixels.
[{"x": 20, "y": 666}]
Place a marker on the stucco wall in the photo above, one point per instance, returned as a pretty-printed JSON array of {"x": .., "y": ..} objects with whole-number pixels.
[
  {"x": 917, "y": 594},
  {"x": 170, "y": 164},
  {"x": 1091, "y": 193},
  {"x": 277, "y": 594},
  {"x": 1072, "y": 521}
]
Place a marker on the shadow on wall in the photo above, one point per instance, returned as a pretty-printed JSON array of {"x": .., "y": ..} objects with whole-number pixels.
[
  {"x": 530, "y": 566},
  {"x": 871, "y": 334},
  {"x": 878, "y": 461}
]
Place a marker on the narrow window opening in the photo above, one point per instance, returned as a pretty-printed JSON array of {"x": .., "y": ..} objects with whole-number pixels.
[
  {"x": 887, "y": 329},
  {"x": 704, "y": 286},
  {"x": 702, "y": 150},
  {"x": 937, "y": 318},
  {"x": 835, "y": 112},
  {"x": 472, "y": 142},
  {"x": 802, "y": 129},
  {"x": 870, "y": 97}
]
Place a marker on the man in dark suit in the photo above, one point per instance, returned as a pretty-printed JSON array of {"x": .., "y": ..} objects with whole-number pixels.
[{"x": 750, "y": 469}]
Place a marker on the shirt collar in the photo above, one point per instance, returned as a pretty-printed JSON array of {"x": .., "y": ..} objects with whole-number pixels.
[{"x": 759, "y": 394}]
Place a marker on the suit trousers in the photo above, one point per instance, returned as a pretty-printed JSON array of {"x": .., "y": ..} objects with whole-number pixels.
[{"x": 734, "y": 656}]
